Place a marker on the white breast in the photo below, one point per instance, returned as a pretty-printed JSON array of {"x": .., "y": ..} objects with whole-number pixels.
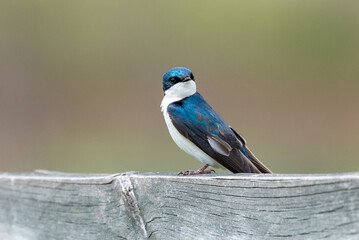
[
  {"x": 174, "y": 94},
  {"x": 186, "y": 145}
]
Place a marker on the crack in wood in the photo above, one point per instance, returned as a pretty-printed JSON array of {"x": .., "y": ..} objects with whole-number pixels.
[{"x": 131, "y": 203}]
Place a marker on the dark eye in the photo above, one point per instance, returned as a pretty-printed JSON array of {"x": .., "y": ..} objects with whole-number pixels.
[
  {"x": 175, "y": 79},
  {"x": 192, "y": 77}
]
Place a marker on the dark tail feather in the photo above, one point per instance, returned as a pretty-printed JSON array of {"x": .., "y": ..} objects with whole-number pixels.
[
  {"x": 256, "y": 162},
  {"x": 260, "y": 166}
]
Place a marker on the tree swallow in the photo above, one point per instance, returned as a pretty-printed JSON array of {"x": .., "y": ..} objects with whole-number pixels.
[{"x": 199, "y": 131}]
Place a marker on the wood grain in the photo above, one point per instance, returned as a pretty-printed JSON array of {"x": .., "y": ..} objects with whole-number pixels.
[{"x": 50, "y": 205}]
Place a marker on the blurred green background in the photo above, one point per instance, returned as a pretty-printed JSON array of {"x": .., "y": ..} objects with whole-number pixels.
[{"x": 80, "y": 81}]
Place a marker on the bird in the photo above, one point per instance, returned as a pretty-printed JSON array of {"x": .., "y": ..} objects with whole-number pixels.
[{"x": 199, "y": 131}]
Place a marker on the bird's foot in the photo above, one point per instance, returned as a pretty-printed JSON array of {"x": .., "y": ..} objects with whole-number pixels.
[{"x": 202, "y": 170}]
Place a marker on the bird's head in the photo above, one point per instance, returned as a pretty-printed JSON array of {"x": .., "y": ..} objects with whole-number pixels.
[
  {"x": 179, "y": 82},
  {"x": 176, "y": 75}
]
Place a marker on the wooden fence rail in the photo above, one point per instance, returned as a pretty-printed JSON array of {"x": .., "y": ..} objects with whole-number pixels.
[{"x": 50, "y": 205}]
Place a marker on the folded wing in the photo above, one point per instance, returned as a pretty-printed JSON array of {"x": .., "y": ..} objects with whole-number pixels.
[{"x": 197, "y": 121}]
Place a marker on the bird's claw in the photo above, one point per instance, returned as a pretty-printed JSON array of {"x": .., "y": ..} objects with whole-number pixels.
[
  {"x": 199, "y": 171},
  {"x": 183, "y": 173}
]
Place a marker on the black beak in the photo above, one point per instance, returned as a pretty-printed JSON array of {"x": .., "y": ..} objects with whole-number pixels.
[{"x": 186, "y": 79}]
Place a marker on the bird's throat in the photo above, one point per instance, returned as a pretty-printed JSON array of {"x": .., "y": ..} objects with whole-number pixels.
[{"x": 178, "y": 92}]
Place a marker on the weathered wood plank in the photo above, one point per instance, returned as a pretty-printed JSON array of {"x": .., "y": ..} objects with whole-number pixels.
[{"x": 47, "y": 205}]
